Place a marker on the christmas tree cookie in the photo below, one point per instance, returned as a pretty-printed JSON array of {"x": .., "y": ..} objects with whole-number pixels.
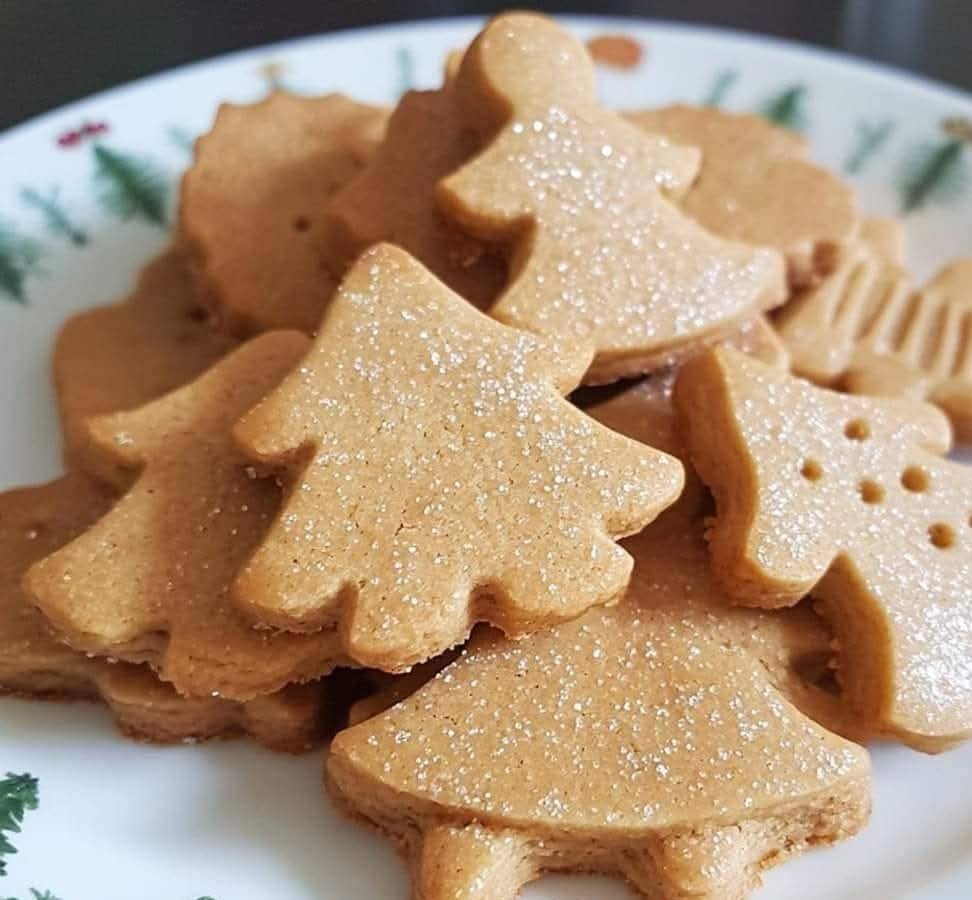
[
  {"x": 868, "y": 330},
  {"x": 652, "y": 741},
  {"x": 438, "y": 477},
  {"x": 252, "y": 201},
  {"x": 121, "y": 356},
  {"x": 756, "y": 186},
  {"x": 148, "y": 582},
  {"x": 601, "y": 255},
  {"x": 848, "y": 498},
  {"x": 393, "y": 199},
  {"x": 37, "y": 521}
]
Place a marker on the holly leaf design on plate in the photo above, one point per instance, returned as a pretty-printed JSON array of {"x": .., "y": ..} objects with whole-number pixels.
[{"x": 18, "y": 794}]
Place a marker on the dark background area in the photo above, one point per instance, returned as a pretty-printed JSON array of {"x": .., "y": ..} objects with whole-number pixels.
[{"x": 53, "y": 51}]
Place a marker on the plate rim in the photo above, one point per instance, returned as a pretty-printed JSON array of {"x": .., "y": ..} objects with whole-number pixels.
[{"x": 840, "y": 59}]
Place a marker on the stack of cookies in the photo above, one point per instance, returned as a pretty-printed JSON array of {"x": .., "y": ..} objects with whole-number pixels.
[{"x": 338, "y": 425}]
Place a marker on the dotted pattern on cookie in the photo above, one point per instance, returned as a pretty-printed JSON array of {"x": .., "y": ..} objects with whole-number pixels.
[{"x": 849, "y": 498}]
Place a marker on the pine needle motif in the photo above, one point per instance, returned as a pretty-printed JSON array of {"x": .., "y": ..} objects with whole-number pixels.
[
  {"x": 129, "y": 186},
  {"x": 19, "y": 259},
  {"x": 939, "y": 171},
  {"x": 722, "y": 84},
  {"x": 55, "y": 216},
  {"x": 786, "y": 108},
  {"x": 870, "y": 137},
  {"x": 18, "y": 794}
]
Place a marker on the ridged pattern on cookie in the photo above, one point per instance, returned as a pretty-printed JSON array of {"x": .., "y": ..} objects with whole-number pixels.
[{"x": 867, "y": 329}]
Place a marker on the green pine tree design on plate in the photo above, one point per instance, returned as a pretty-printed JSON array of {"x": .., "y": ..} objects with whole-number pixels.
[
  {"x": 937, "y": 171},
  {"x": 722, "y": 84},
  {"x": 55, "y": 216},
  {"x": 870, "y": 137},
  {"x": 787, "y": 108},
  {"x": 38, "y": 895},
  {"x": 130, "y": 186},
  {"x": 19, "y": 259},
  {"x": 18, "y": 794}
]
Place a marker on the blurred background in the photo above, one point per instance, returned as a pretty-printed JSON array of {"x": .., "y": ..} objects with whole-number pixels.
[{"x": 53, "y": 51}]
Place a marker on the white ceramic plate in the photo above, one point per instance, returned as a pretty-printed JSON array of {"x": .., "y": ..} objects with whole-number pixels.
[{"x": 228, "y": 820}]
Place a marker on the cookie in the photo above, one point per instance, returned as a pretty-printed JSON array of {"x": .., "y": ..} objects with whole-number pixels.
[
  {"x": 36, "y": 521},
  {"x": 438, "y": 477},
  {"x": 121, "y": 356},
  {"x": 149, "y": 581},
  {"x": 757, "y": 186},
  {"x": 850, "y": 499},
  {"x": 648, "y": 741},
  {"x": 601, "y": 255},
  {"x": 251, "y": 205},
  {"x": 393, "y": 199},
  {"x": 866, "y": 330},
  {"x": 385, "y": 690}
]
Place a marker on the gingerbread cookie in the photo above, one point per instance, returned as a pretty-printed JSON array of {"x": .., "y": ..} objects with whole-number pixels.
[
  {"x": 439, "y": 478},
  {"x": 393, "y": 199},
  {"x": 847, "y": 497},
  {"x": 149, "y": 581},
  {"x": 866, "y": 330},
  {"x": 601, "y": 254},
  {"x": 252, "y": 201},
  {"x": 757, "y": 186},
  {"x": 649, "y": 741},
  {"x": 35, "y": 522},
  {"x": 121, "y": 356},
  {"x": 383, "y": 690}
]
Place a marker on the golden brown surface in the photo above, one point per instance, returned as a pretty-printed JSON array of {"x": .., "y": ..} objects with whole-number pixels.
[
  {"x": 121, "y": 356},
  {"x": 251, "y": 206},
  {"x": 866, "y": 329},
  {"x": 600, "y": 254},
  {"x": 393, "y": 200},
  {"x": 149, "y": 581},
  {"x": 756, "y": 186},
  {"x": 36, "y": 521},
  {"x": 849, "y": 498},
  {"x": 439, "y": 478},
  {"x": 648, "y": 741}
]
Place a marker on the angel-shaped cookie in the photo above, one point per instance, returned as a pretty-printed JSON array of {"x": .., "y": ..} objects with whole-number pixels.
[
  {"x": 653, "y": 741},
  {"x": 866, "y": 329},
  {"x": 601, "y": 255},
  {"x": 438, "y": 476},
  {"x": 36, "y": 521},
  {"x": 148, "y": 582},
  {"x": 757, "y": 186},
  {"x": 251, "y": 204},
  {"x": 848, "y": 498}
]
